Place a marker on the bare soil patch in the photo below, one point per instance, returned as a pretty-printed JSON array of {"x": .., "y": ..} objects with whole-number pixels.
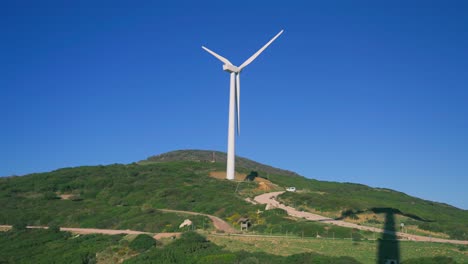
[
  {"x": 65, "y": 196},
  {"x": 4, "y": 228},
  {"x": 221, "y": 175},
  {"x": 263, "y": 184},
  {"x": 167, "y": 235}
]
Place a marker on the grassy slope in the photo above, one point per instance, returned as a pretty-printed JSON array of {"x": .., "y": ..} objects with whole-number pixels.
[
  {"x": 363, "y": 251},
  {"x": 335, "y": 197},
  {"x": 43, "y": 246},
  {"x": 125, "y": 197},
  {"x": 115, "y": 196},
  {"x": 193, "y": 248},
  {"x": 122, "y": 196}
]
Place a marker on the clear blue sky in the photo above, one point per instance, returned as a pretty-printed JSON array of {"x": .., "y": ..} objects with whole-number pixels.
[{"x": 355, "y": 91}]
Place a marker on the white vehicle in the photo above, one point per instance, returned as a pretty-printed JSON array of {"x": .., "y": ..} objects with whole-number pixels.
[{"x": 291, "y": 189}]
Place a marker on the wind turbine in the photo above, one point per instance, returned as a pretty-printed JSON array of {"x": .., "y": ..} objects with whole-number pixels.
[{"x": 234, "y": 101}]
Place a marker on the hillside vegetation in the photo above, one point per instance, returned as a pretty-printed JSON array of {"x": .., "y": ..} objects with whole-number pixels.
[
  {"x": 44, "y": 246},
  {"x": 347, "y": 200},
  {"x": 51, "y": 246},
  {"x": 127, "y": 197}
]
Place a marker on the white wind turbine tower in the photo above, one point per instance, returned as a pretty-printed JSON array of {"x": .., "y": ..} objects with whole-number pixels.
[{"x": 234, "y": 101}]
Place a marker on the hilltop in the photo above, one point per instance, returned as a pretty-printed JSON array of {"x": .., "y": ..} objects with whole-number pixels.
[{"x": 216, "y": 156}]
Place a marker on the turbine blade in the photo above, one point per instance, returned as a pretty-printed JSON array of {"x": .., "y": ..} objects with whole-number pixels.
[
  {"x": 253, "y": 57},
  {"x": 238, "y": 102},
  {"x": 219, "y": 57}
]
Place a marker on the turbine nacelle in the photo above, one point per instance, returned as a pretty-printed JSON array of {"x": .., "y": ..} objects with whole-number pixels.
[{"x": 231, "y": 68}]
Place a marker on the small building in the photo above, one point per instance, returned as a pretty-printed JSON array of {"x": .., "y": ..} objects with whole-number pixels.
[
  {"x": 291, "y": 189},
  {"x": 244, "y": 223}
]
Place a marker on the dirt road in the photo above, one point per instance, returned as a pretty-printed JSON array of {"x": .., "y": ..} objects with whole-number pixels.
[
  {"x": 85, "y": 231},
  {"x": 270, "y": 198},
  {"x": 218, "y": 223}
]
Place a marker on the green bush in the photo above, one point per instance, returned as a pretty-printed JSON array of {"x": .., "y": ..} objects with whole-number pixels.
[
  {"x": 50, "y": 196},
  {"x": 219, "y": 258},
  {"x": 142, "y": 243},
  {"x": 88, "y": 258},
  {"x": 19, "y": 225},
  {"x": 462, "y": 248},
  {"x": 53, "y": 227}
]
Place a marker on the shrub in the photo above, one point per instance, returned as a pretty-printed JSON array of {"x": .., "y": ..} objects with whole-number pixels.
[
  {"x": 142, "y": 243},
  {"x": 88, "y": 258},
  {"x": 251, "y": 176},
  {"x": 19, "y": 225},
  {"x": 462, "y": 248},
  {"x": 218, "y": 258},
  {"x": 194, "y": 237},
  {"x": 50, "y": 196},
  {"x": 54, "y": 228}
]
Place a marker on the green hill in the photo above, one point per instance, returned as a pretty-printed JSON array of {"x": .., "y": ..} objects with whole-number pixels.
[{"x": 127, "y": 197}]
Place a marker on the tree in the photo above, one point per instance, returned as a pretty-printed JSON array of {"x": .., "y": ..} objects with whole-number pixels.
[
  {"x": 54, "y": 228},
  {"x": 142, "y": 243},
  {"x": 19, "y": 225}
]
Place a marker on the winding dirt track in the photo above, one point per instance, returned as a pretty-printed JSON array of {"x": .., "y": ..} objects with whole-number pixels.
[
  {"x": 218, "y": 223},
  {"x": 86, "y": 231},
  {"x": 270, "y": 198}
]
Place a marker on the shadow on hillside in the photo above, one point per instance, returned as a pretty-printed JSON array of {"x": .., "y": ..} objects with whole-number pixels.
[
  {"x": 396, "y": 211},
  {"x": 351, "y": 213},
  {"x": 388, "y": 246}
]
